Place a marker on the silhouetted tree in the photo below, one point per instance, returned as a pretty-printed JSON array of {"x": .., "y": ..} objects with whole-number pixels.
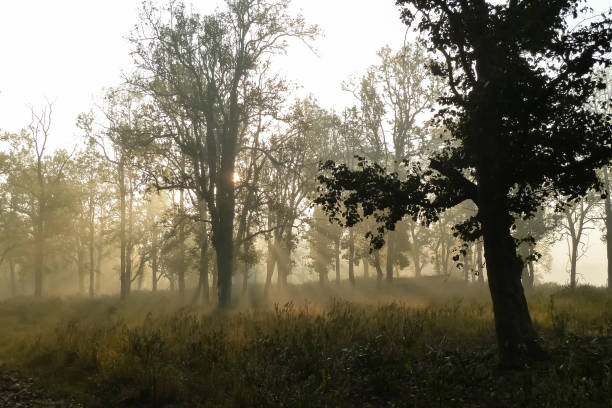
[{"x": 519, "y": 79}]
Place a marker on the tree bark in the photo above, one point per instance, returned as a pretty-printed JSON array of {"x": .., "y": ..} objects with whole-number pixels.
[
  {"x": 351, "y": 256},
  {"x": 467, "y": 264},
  {"x": 91, "y": 252},
  {"x": 38, "y": 264},
  {"x": 284, "y": 258},
  {"x": 516, "y": 337},
  {"x": 12, "y": 277},
  {"x": 122, "y": 241},
  {"x": 270, "y": 263},
  {"x": 223, "y": 228},
  {"x": 479, "y": 260},
  {"x": 608, "y": 223},
  {"x": 181, "y": 244},
  {"x": 390, "y": 257},
  {"x": 379, "y": 271},
  {"x": 203, "y": 264},
  {"x": 416, "y": 253},
  {"x": 337, "y": 258},
  {"x": 80, "y": 266},
  {"x": 154, "y": 264}
]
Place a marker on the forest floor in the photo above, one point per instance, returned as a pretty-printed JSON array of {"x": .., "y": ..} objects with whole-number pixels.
[
  {"x": 413, "y": 344},
  {"x": 19, "y": 391}
]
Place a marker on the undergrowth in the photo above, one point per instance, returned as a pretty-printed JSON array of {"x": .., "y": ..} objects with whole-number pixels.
[{"x": 154, "y": 351}]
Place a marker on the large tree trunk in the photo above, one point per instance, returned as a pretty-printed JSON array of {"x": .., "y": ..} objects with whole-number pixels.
[
  {"x": 516, "y": 337},
  {"x": 366, "y": 267}
]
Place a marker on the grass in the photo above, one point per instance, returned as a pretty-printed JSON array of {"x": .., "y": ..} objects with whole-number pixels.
[{"x": 415, "y": 344}]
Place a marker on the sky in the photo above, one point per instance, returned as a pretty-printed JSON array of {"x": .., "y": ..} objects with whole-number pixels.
[{"x": 67, "y": 51}]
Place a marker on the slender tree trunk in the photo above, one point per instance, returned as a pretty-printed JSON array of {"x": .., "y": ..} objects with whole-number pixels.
[
  {"x": 390, "y": 256},
  {"x": 130, "y": 242},
  {"x": 351, "y": 256},
  {"x": 122, "y": 241},
  {"x": 284, "y": 259},
  {"x": 337, "y": 258},
  {"x": 479, "y": 260},
  {"x": 154, "y": 265},
  {"x": 245, "y": 277},
  {"x": 379, "y": 271},
  {"x": 181, "y": 245},
  {"x": 608, "y": 224},
  {"x": 203, "y": 264},
  {"x": 12, "y": 277},
  {"x": 323, "y": 278},
  {"x": 270, "y": 262},
  {"x": 215, "y": 280},
  {"x": 203, "y": 281},
  {"x": 531, "y": 277},
  {"x": 91, "y": 253},
  {"x": 99, "y": 249},
  {"x": 416, "y": 251},
  {"x": 573, "y": 262},
  {"x": 80, "y": 266},
  {"x": 467, "y": 265},
  {"x": 39, "y": 251},
  {"x": 223, "y": 231}
]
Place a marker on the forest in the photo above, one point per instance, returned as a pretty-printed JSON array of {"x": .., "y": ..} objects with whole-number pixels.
[{"x": 215, "y": 239}]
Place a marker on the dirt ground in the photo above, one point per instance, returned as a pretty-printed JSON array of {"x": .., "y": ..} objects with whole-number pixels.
[{"x": 18, "y": 391}]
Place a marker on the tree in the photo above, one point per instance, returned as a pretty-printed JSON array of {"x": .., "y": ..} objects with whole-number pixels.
[
  {"x": 575, "y": 221},
  {"x": 394, "y": 97},
  {"x": 207, "y": 66},
  {"x": 321, "y": 236},
  {"x": 607, "y": 217},
  {"x": 602, "y": 102},
  {"x": 519, "y": 78},
  {"x": 119, "y": 143},
  {"x": 36, "y": 182},
  {"x": 535, "y": 237}
]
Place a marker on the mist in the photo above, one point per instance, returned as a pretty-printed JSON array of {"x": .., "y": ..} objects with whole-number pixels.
[{"x": 255, "y": 207}]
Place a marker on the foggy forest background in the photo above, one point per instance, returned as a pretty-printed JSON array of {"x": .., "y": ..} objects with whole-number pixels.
[{"x": 129, "y": 207}]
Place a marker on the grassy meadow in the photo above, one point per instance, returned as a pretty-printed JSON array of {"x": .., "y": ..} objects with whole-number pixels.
[{"x": 418, "y": 343}]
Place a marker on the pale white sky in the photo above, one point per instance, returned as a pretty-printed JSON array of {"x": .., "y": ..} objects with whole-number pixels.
[{"x": 67, "y": 51}]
